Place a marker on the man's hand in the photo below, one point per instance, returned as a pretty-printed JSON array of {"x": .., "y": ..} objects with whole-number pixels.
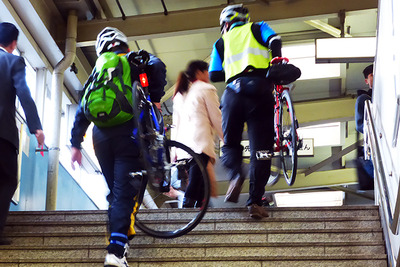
[
  {"x": 76, "y": 156},
  {"x": 40, "y": 137},
  {"x": 158, "y": 105}
]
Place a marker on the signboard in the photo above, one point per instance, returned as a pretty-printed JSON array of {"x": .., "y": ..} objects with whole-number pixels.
[{"x": 307, "y": 149}]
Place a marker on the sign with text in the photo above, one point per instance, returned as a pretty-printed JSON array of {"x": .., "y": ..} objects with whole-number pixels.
[{"x": 307, "y": 148}]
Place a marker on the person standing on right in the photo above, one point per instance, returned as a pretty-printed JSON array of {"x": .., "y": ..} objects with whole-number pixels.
[
  {"x": 365, "y": 168},
  {"x": 242, "y": 57},
  {"x": 364, "y": 96},
  {"x": 13, "y": 84}
]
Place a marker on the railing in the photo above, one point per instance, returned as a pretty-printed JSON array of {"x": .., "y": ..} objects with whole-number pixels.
[{"x": 390, "y": 214}]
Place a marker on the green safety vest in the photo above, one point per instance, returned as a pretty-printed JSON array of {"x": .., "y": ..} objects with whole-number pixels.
[{"x": 241, "y": 49}]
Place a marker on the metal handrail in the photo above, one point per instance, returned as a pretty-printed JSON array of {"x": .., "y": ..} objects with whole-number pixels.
[
  {"x": 390, "y": 220},
  {"x": 379, "y": 166}
]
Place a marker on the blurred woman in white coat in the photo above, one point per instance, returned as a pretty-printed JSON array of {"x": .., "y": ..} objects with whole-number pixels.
[{"x": 197, "y": 120}]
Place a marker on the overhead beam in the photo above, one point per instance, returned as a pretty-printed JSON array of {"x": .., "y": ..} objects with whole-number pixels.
[
  {"x": 158, "y": 24},
  {"x": 325, "y": 27}
]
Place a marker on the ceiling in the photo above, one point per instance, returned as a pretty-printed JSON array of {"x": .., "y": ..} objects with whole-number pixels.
[{"x": 178, "y": 31}]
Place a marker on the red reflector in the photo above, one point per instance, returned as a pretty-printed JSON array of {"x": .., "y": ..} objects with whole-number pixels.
[{"x": 143, "y": 80}]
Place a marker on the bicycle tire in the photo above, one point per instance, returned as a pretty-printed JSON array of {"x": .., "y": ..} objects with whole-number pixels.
[
  {"x": 275, "y": 170},
  {"x": 288, "y": 138},
  {"x": 175, "y": 221}
]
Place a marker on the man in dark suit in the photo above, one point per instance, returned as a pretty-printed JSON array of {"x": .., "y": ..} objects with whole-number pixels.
[{"x": 12, "y": 84}]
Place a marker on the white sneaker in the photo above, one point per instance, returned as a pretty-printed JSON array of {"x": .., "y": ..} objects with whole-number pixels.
[{"x": 113, "y": 260}]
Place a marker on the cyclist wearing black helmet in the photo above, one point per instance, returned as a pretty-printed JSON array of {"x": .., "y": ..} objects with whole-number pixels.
[
  {"x": 241, "y": 58},
  {"x": 117, "y": 152}
]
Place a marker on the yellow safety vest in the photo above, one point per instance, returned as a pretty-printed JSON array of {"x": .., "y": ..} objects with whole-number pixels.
[{"x": 241, "y": 49}]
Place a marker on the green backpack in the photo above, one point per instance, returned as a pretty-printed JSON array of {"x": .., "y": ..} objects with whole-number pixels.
[{"x": 108, "y": 91}]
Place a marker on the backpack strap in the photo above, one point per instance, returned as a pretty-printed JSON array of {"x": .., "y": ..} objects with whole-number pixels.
[{"x": 120, "y": 96}]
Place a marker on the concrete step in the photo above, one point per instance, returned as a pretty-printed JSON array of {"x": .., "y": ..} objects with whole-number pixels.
[
  {"x": 328, "y": 236},
  {"x": 219, "y": 261},
  {"x": 212, "y": 213},
  {"x": 221, "y": 236},
  {"x": 187, "y": 251},
  {"x": 205, "y": 225}
]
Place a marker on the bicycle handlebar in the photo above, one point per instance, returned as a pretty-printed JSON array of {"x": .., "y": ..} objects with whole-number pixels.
[
  {"x": 279, "y": 60},
  {"x": 139, "y": 58}
]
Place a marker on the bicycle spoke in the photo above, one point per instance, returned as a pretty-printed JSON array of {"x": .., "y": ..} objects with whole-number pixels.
[{"x": 289, "y": 142}]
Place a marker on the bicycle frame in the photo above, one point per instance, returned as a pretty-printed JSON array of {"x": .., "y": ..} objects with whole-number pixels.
[
  {"x": 286, "y": 140},
  {"x": 154, "y": 134}
]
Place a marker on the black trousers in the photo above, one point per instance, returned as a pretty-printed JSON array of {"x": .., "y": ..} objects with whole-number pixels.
[
  {"x": 118, "y": 156},
  {"x": 195, "y": 188},
  {"x": 250, "y": 100},
  {"x": 8, "y": 178}
]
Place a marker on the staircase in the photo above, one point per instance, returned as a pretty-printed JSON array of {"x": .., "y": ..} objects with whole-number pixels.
[{"x": 329, "y": 236}]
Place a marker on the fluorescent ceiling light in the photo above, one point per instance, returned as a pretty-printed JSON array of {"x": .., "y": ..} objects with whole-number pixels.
[
  {"x": 345, "y": 50},
  {"x": 311, "y": 199},
  {"x": 303, "y": 56}
]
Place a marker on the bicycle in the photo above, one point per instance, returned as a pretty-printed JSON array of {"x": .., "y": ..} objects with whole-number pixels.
[
  {"x": 287, "y": 141},
  {"x": 164, "y": 177}
]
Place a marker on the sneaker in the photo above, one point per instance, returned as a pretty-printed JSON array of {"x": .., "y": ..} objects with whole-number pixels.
[
  {"x": 257, "y": 212},
  {"x": 235, "y": 187},
  {"x": 114, "y": 260}
]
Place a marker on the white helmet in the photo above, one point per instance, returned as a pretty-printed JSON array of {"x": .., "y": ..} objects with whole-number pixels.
[
  {"x": 234, "y": 13},
  {"x": 108, "y": 38}
]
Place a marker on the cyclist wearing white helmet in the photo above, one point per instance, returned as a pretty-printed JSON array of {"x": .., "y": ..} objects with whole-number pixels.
[
  {"x": 117, "y": 152},
  {"x": 241, "y": 57},
  {"x": 110, "y": 38}
]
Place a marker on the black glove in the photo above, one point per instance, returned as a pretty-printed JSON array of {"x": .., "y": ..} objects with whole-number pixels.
[{"x": 139, "y": 58}]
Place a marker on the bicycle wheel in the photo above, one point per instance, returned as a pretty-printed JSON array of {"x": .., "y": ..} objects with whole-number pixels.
[
  {"x": 175, "y": 220},
  {"x": 288, "y": 138},
  {"x": 276, "y": 159},
  {"x": 276, "y": 170}
]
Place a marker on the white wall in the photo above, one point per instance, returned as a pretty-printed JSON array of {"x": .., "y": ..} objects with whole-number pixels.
[{"x": 386, "y": 91}]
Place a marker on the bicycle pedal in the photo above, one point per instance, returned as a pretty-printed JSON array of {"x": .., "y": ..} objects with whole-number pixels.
[{"x": 264, "y": 155}]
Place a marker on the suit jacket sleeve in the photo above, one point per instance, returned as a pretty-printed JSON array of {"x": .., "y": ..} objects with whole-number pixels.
[{"x": 24, "y": 96}]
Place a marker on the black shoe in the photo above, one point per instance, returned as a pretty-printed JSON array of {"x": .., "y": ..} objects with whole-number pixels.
[
  {"x": 188, "y": 202},
  {"x": 235, "y": 187}
]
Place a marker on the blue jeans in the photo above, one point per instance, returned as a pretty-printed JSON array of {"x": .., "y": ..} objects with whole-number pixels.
[{"x": 359, "y": 112}]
